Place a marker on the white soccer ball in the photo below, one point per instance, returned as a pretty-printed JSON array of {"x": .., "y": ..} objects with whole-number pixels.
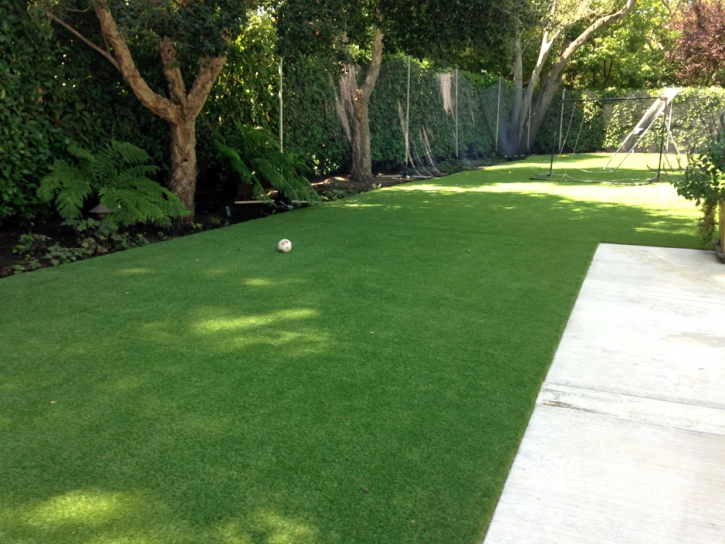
[{"x": 285, "y": 246}]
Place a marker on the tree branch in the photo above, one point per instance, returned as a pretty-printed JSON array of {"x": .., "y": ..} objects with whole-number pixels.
[
  {"x": 209, "y": 70},
  {"x": 177, "y": 89},
  {"x": 375, "y": 62},
  {"x": 65, "y": 25},
  {"x": 600, "y": 23},
  {"x": 160, "y": 105}
]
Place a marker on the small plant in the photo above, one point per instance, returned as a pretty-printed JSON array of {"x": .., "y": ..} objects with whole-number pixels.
[
  {"x": 94, "y": 238},
  {"x": 30, "y": 243},
  {"x": 252, "y": 155},
  {"x": 335, "y": 192},
  {"x": 118, "y": 175}
]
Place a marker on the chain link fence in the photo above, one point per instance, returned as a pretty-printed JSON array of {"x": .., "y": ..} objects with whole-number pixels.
[{"x": 422, "y": 117}]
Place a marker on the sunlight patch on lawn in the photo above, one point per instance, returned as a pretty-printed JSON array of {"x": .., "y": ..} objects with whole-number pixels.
[
  {"x": 258, "y": 282},
  {"x": 252, "y": 321},
  {"x": 81, "y": 507},
  {"x": 268, "y": 528},
  {"x": 654, "y": 196},
  {"x": 133, "y": 271}
]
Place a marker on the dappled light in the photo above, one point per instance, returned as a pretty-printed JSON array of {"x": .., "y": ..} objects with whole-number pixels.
[
  {"x": 258, "y": 282},
  {"x": 252, "y": 322},
  {"x": 133, "y": 271},
  {"x": 81, "y": 508}
]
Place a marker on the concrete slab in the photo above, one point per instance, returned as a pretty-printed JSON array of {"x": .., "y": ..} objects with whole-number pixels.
[
  {"x": 644, "y": 345},
  {"x": 681, "y": 416},
  {"x": 591, "y": 479},
  {"x": 627, "y": 441},
  {"x": 659, "y": 271}
]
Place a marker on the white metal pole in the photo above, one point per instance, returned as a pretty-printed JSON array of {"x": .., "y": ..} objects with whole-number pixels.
[
  {"x": 407, "y": 124},
  {"x": 561, "y": 118},
  {"x": 281, "y": 109},
  {"x": 456, "y": 112},
  {"x": 669, "y": 127}
]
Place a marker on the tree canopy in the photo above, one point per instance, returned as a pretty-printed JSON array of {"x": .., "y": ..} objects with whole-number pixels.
[
  {"x": 699, "y": 51},
  {"x": 631, "y": 53},
  {"x": 435, "y": 29}
]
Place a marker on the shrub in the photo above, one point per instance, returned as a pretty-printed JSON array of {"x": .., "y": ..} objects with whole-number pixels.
[
  {"x": 703, "y": 183},
  {"x": 252, "y": 155},
  {"x": 118, "y": 175}
]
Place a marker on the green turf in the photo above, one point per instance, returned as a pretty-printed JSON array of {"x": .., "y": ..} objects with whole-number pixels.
[
  {"x": 371, "y": 386},
  {"x": 606, "y": 167}
]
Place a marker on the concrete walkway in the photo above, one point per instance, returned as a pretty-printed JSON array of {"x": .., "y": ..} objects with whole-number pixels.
[{"x": 627, "y": 441}]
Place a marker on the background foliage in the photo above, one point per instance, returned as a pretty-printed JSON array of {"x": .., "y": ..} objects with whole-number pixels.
[{"x": 55, "y": 91}]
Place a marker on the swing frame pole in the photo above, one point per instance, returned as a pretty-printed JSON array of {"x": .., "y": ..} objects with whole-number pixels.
[{"x": 561, "y": 118}]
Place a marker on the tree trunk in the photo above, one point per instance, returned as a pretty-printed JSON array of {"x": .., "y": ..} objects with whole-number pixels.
[
  {"x": 182, "y": 177},
  {"x": 518, "y": 72},
  {"x": 553, "y": 78},
  {"x": 362, "y": 167}
]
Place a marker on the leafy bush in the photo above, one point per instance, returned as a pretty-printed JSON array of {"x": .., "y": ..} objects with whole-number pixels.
[
  {"x": 252, "y": 155},
  {"x": 703, "y": 182},
  {"x": 118, "y": 175}
]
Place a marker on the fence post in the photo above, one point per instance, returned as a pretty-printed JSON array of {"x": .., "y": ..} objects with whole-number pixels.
[
  {"x": 407, "y": 125},
  {"x": 281, "y": 110},
  {"x": 456, "y": 75},
  {"x": 498, "y": 111}
]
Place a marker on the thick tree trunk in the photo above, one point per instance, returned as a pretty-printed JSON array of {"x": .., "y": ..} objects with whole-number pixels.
[
  {"x": 362, "y": 167},
  {"x": 553, "y": 78},
  {"x": 182, "y": 177},
  {"x": 518, "y": 71}
]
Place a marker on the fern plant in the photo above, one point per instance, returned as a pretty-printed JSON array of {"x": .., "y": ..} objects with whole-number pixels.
[
  {"x": 119, "y": 176},
  {"x": 252, "y": 155}
]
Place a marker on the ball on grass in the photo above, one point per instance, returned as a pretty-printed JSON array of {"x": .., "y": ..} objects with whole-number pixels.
[{"x": 285, "y": 246}]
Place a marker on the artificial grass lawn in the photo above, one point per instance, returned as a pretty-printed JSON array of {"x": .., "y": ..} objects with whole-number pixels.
[{"x": 371, "y": 386}]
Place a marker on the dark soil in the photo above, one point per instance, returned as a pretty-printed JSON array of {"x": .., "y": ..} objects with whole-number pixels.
[{"x": 211, "y": 214}]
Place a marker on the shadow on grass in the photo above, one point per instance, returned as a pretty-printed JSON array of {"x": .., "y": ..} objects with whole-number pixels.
[{"x": 371, "y": 386}]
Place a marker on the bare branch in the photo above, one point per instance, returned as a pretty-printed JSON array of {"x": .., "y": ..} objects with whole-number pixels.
[{"x": 65, "y": 25}]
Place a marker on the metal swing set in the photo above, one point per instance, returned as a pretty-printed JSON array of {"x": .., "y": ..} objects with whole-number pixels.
[{"x": 661, "y": 108}]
